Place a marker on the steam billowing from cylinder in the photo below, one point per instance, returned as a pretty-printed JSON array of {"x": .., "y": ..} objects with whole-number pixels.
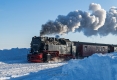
[{"x": 98, "y": 22}]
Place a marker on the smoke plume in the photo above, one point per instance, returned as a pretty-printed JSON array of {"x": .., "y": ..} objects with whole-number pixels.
[{"x": 98, "y": 22}]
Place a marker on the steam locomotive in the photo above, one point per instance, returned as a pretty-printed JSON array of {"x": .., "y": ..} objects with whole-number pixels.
[{"x": 45, "y": 49}]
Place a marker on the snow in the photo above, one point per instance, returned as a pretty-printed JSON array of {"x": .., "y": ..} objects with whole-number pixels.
[
  {"x": 14, "y": 66},
  {"x": 95, "y": 67}
]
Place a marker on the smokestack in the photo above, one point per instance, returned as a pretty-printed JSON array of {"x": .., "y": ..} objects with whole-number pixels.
[{"x": 98, "y": 22}]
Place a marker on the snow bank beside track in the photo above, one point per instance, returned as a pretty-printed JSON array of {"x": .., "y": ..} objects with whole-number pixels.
[
  {"x": 95, "y": 67},
  {"x": 14, "y": 55}
]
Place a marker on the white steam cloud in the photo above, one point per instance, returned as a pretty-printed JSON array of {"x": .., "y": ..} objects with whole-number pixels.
[{"x": 98, "y": 22}]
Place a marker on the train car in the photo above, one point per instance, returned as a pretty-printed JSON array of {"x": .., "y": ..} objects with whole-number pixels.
[
  {"x": 45, "y": 49},
  {"x": 85, "y": 49}
]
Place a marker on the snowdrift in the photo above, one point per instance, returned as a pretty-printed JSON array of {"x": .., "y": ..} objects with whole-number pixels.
[{"x": 95, "y": 67}]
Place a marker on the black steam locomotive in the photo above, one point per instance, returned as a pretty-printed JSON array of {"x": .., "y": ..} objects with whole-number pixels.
[{"x": 44, "y": 49}]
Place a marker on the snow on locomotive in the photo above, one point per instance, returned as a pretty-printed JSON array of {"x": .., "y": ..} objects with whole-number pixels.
[{"x": 44, "y": 49}]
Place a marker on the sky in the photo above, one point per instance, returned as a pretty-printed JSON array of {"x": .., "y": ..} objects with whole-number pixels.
[{"x": 20, "y": 20}]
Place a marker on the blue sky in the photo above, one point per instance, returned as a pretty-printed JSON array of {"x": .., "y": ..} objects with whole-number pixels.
[{"x": 20, "y": 20}]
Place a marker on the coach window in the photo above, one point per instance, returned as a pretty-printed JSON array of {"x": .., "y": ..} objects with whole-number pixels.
[
  {"x": 85, "y": 48},
  {"x": 97, "y": 48},
  {"x": 103, "y": 48},
  {"x": 115, "y": 49},
  {"x": 100, "y": 48}
]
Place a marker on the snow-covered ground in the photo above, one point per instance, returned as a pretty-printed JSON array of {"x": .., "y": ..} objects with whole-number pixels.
[{"x": 14, "y": 66}]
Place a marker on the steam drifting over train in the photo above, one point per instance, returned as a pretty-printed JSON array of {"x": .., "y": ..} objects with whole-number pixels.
[{"x": 99, "y": 22}]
